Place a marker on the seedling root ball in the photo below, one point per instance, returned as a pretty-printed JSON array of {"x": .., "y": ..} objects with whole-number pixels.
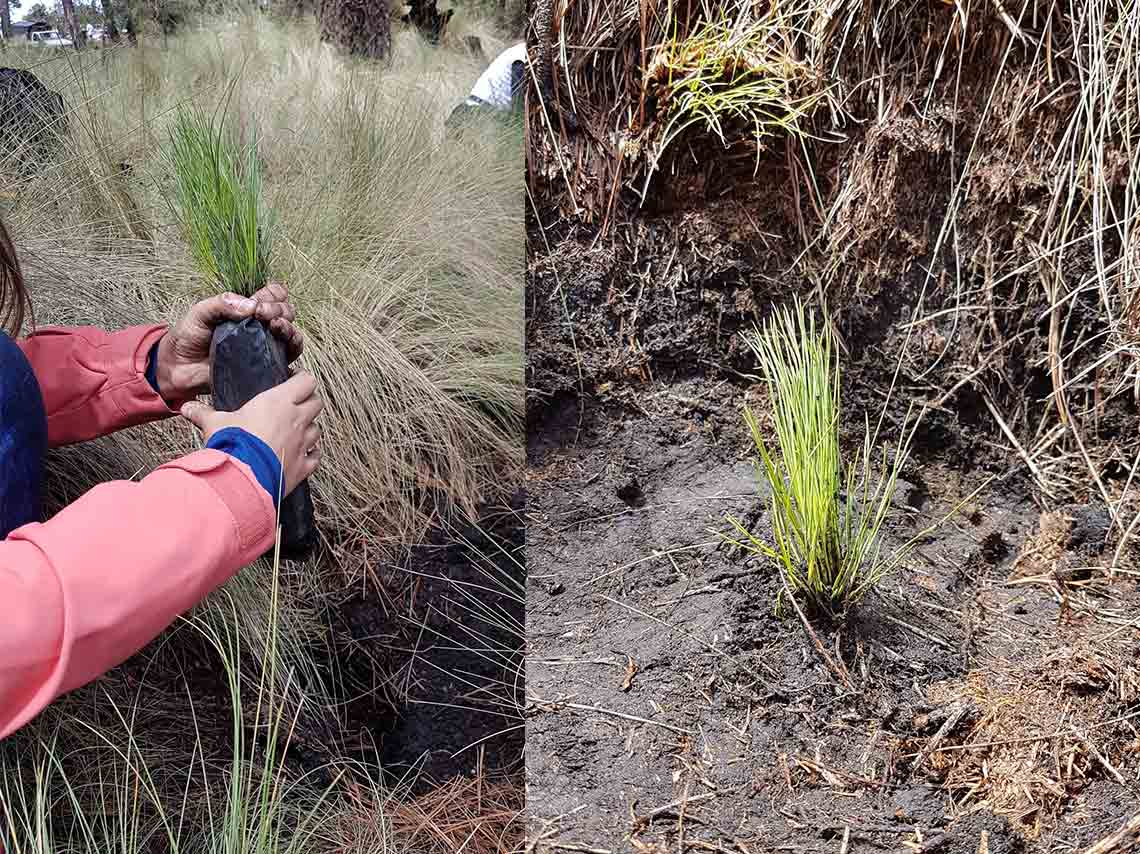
[{"x": 245, "y": 360}]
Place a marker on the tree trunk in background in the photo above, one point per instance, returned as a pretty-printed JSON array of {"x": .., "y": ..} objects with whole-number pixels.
[
  {"x": 109, "y": 22},
  {"x": 425, "y": 16},
  {"x": 132, "y": 33},
  {"x": 70, "y": 22},
  {"x": 5, "y": 19},
  {"x": 361, "y": 27}
]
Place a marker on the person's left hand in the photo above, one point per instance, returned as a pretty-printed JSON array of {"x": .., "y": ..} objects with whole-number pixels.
[{"x": 182, "y": 363}]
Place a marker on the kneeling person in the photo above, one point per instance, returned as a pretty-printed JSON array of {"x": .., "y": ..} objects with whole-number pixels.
[{"x": 497, "y": 92}]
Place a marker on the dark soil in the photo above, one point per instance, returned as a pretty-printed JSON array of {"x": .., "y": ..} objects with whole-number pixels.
[
  {"x": 453, "y": 643},
  {"x": 671, "y": 706}
]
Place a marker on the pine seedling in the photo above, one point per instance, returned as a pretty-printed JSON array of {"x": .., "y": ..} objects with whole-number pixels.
[
  {"x": 217, "y": 200},
  {"x": 826, "y": 516}
]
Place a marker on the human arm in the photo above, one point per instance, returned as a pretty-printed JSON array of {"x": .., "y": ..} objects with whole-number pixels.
[
  {"x": 95, "y": 382},
  {"x": 90, "y": 587}
]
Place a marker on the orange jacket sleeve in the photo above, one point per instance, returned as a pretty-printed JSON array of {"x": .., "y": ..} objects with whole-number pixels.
[
  {"x": 94, "y": 382},
  {"x": 89, "y": 588}
]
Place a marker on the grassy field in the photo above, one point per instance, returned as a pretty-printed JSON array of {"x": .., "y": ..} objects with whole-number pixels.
[{"x": 403, "y": 253}]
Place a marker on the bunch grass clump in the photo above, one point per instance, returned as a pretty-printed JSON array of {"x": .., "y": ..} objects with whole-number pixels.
[
  {"x": 218, "y": 201},
  {"x": 733, "y": 74},
  {"x": 827, "y": 516}
]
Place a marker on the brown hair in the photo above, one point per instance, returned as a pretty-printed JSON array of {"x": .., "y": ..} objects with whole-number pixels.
[{"x": 13, "y": 295}]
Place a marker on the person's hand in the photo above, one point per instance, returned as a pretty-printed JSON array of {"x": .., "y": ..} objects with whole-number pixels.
[
  {"x": 283, "y": 418},
  {"x": 182, "y": 363}
]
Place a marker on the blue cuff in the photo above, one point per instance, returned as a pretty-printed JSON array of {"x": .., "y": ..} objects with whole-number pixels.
[
  {"x": 254, "y": 453},
  {"x": 234, "y": 441},
  {"x": 152, "y": 366}
]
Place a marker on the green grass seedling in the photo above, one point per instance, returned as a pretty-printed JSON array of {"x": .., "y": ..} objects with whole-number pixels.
[{"x": 827, "y": 517}]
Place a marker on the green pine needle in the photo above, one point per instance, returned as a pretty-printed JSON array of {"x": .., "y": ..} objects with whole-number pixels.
[
  {"x": 828, "y": 548},
  {"x": 217, "y": 201}
]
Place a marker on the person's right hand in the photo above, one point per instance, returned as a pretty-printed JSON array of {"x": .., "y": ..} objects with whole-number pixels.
[{"x": 283, "y": 418}]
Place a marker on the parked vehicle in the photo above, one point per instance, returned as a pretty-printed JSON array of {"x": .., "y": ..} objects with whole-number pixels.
[{"x": 50, "y": 38}]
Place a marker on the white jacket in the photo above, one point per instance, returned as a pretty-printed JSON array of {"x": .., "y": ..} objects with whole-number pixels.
[{"x": 494, "y": 85}]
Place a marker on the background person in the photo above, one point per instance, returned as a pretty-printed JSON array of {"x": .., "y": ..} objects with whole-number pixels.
[{"x": 498, "y": 91}]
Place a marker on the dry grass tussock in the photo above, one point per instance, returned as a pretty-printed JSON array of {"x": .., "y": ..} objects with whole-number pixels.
[
  {"x": 404, "y": 257},
  {"x": 972, "y": 159}
]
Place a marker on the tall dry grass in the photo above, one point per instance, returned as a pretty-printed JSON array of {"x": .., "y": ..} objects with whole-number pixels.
[{"x": 403, "y": 253}]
